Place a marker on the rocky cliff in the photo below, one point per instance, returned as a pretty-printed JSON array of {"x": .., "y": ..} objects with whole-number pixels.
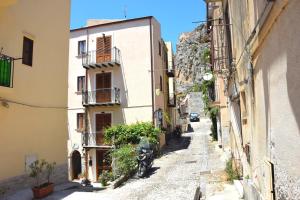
[{"x": 189, "y": 57}]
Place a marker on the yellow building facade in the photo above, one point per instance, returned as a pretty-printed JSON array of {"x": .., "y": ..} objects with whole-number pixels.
[{"x": 33, "y": 87}]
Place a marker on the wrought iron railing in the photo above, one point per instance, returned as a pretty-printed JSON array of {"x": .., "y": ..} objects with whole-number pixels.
[
  {"x": 101, "y": 96},
  {"x": 93, "y": 139},
  {"x": 101, "y": 56}
]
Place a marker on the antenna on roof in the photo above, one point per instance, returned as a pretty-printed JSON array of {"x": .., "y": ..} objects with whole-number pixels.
[{"x": 125, "y": 12}]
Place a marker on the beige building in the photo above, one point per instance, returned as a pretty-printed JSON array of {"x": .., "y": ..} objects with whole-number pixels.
[
  {"x": 33, "y": 87},
  {"x": 261, "y": 81},
  {"x": 117, "y": 75}
]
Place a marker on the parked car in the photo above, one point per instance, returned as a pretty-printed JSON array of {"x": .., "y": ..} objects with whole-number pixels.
[{"x": 194, "y": 117}]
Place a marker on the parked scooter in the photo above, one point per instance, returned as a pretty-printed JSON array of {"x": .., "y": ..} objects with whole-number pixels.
[
  {"x": 177, "y": 132},
  {"x": 145, "y": 157}
]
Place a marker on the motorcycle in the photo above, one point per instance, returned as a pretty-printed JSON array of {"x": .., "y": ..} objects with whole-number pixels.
[
  {"x": 177, "y": 131},
  {"x": 145, "y": 158}
]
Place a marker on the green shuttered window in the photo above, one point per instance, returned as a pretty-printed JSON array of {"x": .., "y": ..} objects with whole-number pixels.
[{"x": 5, "y": 71}]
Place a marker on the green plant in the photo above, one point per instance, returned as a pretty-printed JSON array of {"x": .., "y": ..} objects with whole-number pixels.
[
  {"x": 124, "y": 160},
  {"x": 131, "y": 134},
  {"x": 49, "y": 170},
  {"x": 247, "y": 177},
  {"x": 167, "y": 118},
  {"x": 105, "y": 176},
  {"x": 206, "y": 55},
  {"x": 212, "y": 112},
  {"x": 36, "y": 169},
  {"x": 232, "y": 173}
]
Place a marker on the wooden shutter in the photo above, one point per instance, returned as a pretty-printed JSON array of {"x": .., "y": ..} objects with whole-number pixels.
[
  {"x": 80, "y": 83},
  {"x": 5, "y": 71},
  {"x": 103, "y": 52},
  {"x": 80, "y": 121},
  {"x": 27, "y": 51},
  {"x": 103, "y": 88},
  {"x": 103, "y": 120}
]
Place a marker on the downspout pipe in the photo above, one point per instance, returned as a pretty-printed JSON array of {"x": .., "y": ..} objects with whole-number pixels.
[
  {"x": 86, "y": 134},
  {"x": 152, "y": 70}
]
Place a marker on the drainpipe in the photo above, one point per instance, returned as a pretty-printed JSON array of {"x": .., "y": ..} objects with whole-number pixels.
[
  {"x": 86, "y": 108},
  {"x": 152, "y": 70}
]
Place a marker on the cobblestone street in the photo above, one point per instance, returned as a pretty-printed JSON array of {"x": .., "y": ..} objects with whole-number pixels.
[{"x": 186, "y": 164}]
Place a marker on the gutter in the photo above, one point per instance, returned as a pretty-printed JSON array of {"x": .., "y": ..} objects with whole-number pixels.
[{"x": 152, "y": 70}]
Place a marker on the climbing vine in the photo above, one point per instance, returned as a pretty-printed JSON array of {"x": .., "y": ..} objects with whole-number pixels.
[{"x": 212, "y": 112}]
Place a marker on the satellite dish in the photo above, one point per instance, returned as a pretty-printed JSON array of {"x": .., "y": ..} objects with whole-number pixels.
[{"x": 207, "y": 76}]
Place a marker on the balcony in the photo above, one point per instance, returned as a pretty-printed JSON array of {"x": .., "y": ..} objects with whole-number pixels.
[
  {"x": 101, "y": 97},
  {"x": 172, "y": 100},
  {"x": 93, "y": 139},
  {"x": 101, "y": 58}
]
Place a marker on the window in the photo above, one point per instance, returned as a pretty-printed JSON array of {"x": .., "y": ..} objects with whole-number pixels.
[
  {"x": 6, "y": 64},
  {"x": 159, "y": 48},
  {"x": 81, "y": 47},
  {"x": 80, "y": 83},
  {"x": 80, "y": 121},
  {"x": 27, "y": 51},
  {"x": 160, "y": 83}
]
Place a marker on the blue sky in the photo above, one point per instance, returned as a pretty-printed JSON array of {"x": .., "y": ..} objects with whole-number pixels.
[{"x": 175, "y": 16}]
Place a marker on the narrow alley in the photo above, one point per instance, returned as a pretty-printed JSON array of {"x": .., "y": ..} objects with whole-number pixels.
[{"x": 192, "y": 161}]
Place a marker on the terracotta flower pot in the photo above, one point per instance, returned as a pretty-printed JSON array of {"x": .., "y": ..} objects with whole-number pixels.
[{"x": 42, "y": 190}]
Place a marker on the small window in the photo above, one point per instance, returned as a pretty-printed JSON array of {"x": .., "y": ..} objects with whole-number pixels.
[
  {"x": 6, "y": 68},
  {"x": 80, "y": 83},
  {"x": 27, "y": 51},
  {"x": 81, "y": 47},
  {"x": 160, "y": 83},
  {"x": 159, "y": 48},
  {"x": 80, "y": 121}
]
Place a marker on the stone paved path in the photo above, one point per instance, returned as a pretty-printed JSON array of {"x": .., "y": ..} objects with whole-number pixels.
[{"x": 186, "y": 164}]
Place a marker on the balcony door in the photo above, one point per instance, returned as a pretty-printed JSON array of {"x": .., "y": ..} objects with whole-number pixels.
[
  {"x": 102, "y": 161},
  {"x": 103, "y": 87},
  {"x": 102, "y": 121},
  {"x": 103, "y": 53}
]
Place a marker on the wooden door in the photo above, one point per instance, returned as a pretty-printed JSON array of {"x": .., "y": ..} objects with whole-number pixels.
[
  {"x": 103, "y": 53},
  {"x": 103, "y": 120},
  {"x": 103, "y": 88},
  {"x": 76, "y": 164},
  {"x": 102, "y": 161}
]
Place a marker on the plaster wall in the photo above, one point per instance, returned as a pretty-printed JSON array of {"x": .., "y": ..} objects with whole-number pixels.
[
  {"x": 27, "y": 130},
  {"x": 277, "y": 102}
]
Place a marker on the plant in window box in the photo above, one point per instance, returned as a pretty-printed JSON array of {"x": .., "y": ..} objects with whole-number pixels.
[{"x": 37, "y": 169}]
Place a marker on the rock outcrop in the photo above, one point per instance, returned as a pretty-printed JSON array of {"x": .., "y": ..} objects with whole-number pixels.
[{"x": 189, "y": 60}]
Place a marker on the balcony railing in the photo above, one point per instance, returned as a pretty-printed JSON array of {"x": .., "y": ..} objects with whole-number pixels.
[
  {"x": 93, "y": 139},
  {"x": 101, "y": 58},
  {"x": 172, "y": 100},
  {"x": 104, "y": 97}
]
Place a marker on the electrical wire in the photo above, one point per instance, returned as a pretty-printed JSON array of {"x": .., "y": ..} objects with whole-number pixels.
[{"x": 30, "y": 105}]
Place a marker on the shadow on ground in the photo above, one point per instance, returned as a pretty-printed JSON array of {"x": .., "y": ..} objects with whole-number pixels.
[{"x": 176, "y": 144}]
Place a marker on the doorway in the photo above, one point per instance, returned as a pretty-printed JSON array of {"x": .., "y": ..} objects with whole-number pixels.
[
  {"x": 102, "y": 120},
  {"x": 103, "y": 87},
  {"x": 103, "y": 161},
  {"x": 76, "y": 164}
]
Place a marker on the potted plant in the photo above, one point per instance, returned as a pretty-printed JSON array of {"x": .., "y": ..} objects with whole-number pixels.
[{"x": 37, "y": 169}]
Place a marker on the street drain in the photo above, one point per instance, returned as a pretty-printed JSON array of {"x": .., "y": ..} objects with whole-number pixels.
[
  {"x": 205, "y": 172},
  {"x": 189, "y": 162}
]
